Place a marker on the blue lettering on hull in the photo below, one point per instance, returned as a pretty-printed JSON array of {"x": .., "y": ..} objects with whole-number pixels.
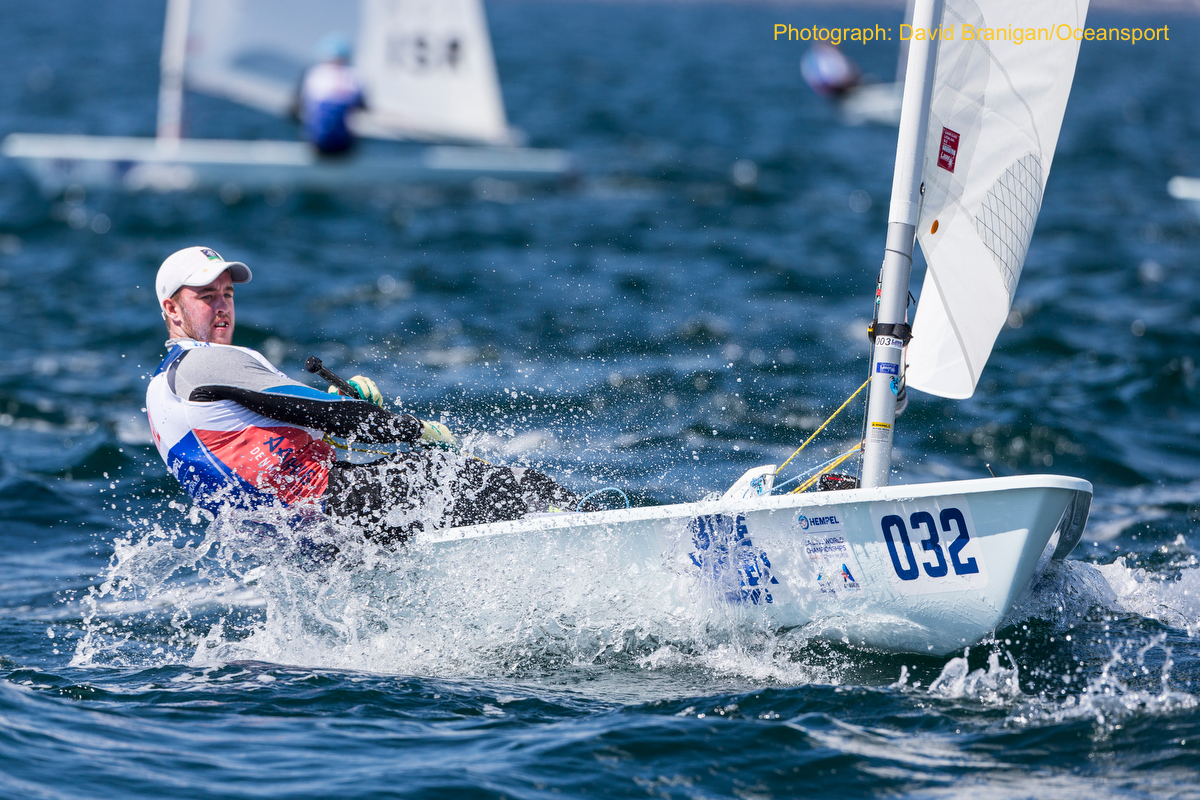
[{"x": 728, "y": 558}]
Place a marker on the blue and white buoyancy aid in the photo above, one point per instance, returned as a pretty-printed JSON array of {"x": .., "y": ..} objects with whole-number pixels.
[{"x": 224, "y": 453}]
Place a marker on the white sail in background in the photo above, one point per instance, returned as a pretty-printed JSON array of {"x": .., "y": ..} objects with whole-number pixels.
[
  {"x": 426, "y": 65},
  {"x": 993, "y": 126},
  {"x": 429, "y": 69},
  {"x": 255, "y": 52}
]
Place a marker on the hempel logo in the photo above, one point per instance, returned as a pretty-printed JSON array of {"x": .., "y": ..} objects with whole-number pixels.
[{"x": 805, "y": 522}]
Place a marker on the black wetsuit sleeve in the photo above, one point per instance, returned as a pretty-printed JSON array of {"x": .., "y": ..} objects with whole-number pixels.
[
  {"x": 209, "y": 374},
  {"x": 349, "y": 419}
]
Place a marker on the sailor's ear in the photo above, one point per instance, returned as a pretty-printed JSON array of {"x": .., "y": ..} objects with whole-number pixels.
[{"x": 171, "y": 311}]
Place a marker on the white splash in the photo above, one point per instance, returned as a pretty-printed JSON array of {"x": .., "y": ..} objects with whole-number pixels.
[
  {"x": 1069, "y": 590},
  {"x": 279, "y": 587},
  {"x": 997, "y": 685},
  {"x": 1173, "y": 601}
]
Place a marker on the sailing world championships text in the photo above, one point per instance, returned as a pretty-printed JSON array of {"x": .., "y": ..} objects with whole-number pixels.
[{"x": 972, "y": 33}]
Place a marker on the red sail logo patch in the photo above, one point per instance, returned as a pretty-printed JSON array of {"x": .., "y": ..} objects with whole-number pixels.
[{"x": 948, "y": 153}]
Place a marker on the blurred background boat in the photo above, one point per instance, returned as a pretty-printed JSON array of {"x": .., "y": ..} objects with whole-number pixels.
[
  {"x": 872, "y": 103},
  {"x": 1186, "y": 189},
  {"x": 860, "y": 99},
  {"x": 428, "y": 72}
]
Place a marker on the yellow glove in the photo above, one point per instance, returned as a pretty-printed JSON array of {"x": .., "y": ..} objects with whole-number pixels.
[
  {"x": 366, "y": 388},
  {"x": 438, "y": 435}
]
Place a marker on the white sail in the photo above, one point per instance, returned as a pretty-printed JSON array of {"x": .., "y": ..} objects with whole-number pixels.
[
  {"x": 429, "y": 69},
  {"x": 426, "y": 65},
  {"x": 993, "y": 126},
  {"x": 255, "y": 52}
]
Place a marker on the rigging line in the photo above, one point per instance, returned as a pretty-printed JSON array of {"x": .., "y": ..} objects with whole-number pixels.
[
  {"x": 837, "y": 462},
  {"x": 586, "y": 497},
  {"x": 866, "y": 413},
  {"x": 823, "y": 424},
  {"x": 805, "y": 474}
]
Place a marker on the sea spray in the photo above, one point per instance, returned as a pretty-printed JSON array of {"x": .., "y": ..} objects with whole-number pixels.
[
  {"x": 287, "y": 587},
  {"x": 1172, "y": 599},
  {"x": 1071, "y": 590},
  {"x": 1126, "y": 687},
  {"x": 997, "y": 685}
]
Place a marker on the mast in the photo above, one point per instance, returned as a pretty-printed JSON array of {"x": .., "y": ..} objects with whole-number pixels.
[
  {"x": 890, "y": 332},
  {"x": 170, "y": 82},
  {"x": 902, "y": 57}
]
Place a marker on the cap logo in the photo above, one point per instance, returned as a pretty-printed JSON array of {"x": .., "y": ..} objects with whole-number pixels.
[{"x": 212, "y": 254}]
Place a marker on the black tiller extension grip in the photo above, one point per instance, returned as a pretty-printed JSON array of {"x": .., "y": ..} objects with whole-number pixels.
[{"x": 314, "y": 365}]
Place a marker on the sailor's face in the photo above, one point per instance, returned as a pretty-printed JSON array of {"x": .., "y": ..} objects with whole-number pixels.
[{"x": 205, "y": 313}]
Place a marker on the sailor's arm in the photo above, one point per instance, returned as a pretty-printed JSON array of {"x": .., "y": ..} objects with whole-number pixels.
[
  {"x": 297, "y": 404},
  {"x": 219, "y": 373}
]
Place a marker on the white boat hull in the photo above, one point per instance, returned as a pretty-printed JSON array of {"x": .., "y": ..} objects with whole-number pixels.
[
  {"x": 140, "y": 164},
  {"x": 1187, "y": 190},
  {"x": 872, "y": 104},
  {"x": 820, "y": 560}
]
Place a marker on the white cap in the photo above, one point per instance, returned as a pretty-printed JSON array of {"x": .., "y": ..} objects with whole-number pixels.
[{"x": 195, "y": 266}]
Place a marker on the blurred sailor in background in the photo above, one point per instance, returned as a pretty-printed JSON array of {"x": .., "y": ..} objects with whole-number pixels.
[
  {"x": 235, "y": 431},
  {"x": 329, "y": 92},
  {"x": 828, "y": 71}
]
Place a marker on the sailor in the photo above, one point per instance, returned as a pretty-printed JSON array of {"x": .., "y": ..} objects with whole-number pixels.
[
  {"x": 237, "y": 432},
  {"x": 328, "y": 93},
  {"x": 828, "y": 71}
]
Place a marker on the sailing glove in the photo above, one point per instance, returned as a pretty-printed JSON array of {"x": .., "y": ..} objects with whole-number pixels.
[
  {"x": 366, "y": 388},
  {"x": 438, "y": 435}
]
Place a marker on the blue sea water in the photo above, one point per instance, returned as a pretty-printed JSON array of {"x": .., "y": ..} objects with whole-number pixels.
[{"x": 692, "y": 305}]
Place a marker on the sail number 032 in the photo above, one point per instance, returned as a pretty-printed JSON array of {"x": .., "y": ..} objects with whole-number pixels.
[{"x": 908, "y": 567}]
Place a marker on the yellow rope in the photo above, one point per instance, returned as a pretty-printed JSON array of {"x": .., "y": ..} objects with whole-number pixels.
[
  {"x": 808, "y": 483},
  {"x": 823, "y": 424}
]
